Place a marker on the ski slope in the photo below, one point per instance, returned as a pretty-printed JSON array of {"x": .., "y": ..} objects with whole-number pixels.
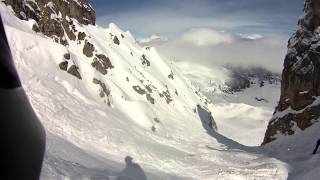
[{"x": 89, "y": 136}]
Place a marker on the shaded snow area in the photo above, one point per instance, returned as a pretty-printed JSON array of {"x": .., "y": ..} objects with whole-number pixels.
[{"x": 124, "y": 135}]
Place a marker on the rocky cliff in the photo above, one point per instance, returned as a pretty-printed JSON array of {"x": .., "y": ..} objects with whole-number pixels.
[
  {"x": 299, "y": 105},
  {"x": 55, "y": 18}
]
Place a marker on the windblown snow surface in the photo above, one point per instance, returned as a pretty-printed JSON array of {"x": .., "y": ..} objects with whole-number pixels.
[{"x": 87, "y": 139}]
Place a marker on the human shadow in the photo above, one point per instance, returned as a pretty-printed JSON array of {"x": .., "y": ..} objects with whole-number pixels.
[{"x": 132, "y": 171}]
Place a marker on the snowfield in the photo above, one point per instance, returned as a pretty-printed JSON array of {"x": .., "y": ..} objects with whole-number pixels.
[{"x": 89, "y": 139}]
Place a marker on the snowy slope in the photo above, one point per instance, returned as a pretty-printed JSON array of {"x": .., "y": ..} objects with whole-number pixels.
[
  {"x": 296, "y": 150},
  {"x": 89, "y": 135},
  {"x": 240, "y": 115}
]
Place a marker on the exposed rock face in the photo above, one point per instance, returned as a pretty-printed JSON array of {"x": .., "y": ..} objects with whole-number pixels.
[
  {"x": 88, "y": 49},
  {"x": 73, "y": 70},
  {"x": 55, "y": 18},
  {"x": 167, "y": 96},
  {"x": 171, "y": 76},
  {"x": 146, "y": 92},
  {"x": 67, "y": 56},
  {"x": 145, "y": 61},
  {"x": 299, "y": 105},
  {"x": 116, "y": 40},
  {"x": 81, "y": 36},
  {"x": 63, "y": 65},
  {"x": 139, "y": 90},
  {"x": 102, "y": 63},
  {"x": 104, "y": 90}
]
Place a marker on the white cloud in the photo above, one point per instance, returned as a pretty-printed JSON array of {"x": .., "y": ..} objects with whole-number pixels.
[
  {"x": 251, "y": 36},
  {"x": 205, "y": 37},
  {"x": 211, "y": 48}
]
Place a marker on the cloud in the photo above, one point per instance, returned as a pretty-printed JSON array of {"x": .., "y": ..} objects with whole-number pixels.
[
  {"x": 251, "y": 36},
  {"x": 205, "y": 37},
  {"x": 208, "y": 47}
]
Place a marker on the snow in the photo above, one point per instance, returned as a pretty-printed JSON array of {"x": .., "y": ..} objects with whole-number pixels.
[
  {"x": 87, "y": 139},
  {"x": 297, "y": 150},
  {"x": 238, "y": 112}
]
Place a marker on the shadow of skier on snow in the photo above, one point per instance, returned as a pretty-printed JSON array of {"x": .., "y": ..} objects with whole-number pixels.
[{"x": 132, "y": 171}]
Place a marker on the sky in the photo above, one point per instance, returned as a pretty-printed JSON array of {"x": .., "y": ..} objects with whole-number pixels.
[
  {"x": 247, "y": 33},
  {"x": 171, "y": 17}
]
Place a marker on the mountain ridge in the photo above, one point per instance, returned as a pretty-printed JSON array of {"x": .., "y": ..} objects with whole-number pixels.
[{"x": 299, "y": 106}]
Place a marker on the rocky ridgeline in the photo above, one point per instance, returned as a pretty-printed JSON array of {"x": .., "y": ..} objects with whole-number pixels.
[
  {"x": 55, "y": 18},
  {"x": 243, "y": 78},
  {"x": 299, "y": 106}
]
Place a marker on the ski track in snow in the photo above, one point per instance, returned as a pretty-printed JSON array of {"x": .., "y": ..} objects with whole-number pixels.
[{"x": 87, "y": 139}]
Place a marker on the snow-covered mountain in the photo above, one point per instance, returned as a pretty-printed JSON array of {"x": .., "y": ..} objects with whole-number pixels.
[
  {"x": 249, "y": 93},
  {"x": 106, "y": 101}
]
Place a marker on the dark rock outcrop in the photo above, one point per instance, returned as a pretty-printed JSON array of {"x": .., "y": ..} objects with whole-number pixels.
[
  {"x": 88, "y": 49},
  {"x": 104, "y": 90},
  {"x": 149, "y": 89},
  {"x": 145, "y": 61},
  {"x": 116, "y": 40},
  {"x": 300, "y": 88},
  {"x": 150, "y": 98},
  {"x": 105, "y": 60},
  {"x": 171, "y": 76},
  {"x": 74, "y": 70},
  {"x": 146, "y": 92},
  {"x": 67, "y": 56},
  {"x": 63, "y": 65},
  {"x": 102, "y": 63},
  {"x": 139, "y": 90},
  {"x": 55, "y": 18},
  {"x": 166, "y": 94},
  {"x": 81, "y": 36}
]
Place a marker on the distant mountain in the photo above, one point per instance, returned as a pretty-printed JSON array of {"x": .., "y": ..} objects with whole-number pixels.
[
  {"x": 299, "y": 106},
  {"x": 243, "y": 78}
]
